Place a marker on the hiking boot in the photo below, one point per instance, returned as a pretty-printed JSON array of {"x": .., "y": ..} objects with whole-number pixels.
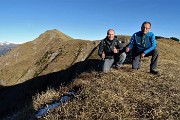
[
  {"x": 118, "y": 67},
  {"x": 155, "y": 72},
  {"x": 135, "y": 69}
]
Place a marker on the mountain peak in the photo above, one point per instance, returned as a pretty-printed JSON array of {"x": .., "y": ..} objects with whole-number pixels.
[{"x": 53, "y": 34}]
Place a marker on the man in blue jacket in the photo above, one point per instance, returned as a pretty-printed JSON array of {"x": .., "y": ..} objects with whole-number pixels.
[
  {"x": 111, "y": 51},
  {"x": 143, "y": 43}
]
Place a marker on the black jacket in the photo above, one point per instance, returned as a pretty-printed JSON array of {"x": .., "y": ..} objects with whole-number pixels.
[{"x": 107, "y": 47}]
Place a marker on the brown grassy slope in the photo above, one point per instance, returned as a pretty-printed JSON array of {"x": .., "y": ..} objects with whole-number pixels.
[
  {"x": 52, "y": 51},
  {"x": 123, "y": 94},
  {"x": 127, "y": 94},
  {"x": 32, "y": 67}
]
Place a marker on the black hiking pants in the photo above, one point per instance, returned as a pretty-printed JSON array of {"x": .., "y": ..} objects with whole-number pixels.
[{"x": 136, "y": 60}]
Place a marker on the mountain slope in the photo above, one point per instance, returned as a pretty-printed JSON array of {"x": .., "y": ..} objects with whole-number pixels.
[
  {"x": 50, "y": 52},
  {"x": 49, "y": 60}
]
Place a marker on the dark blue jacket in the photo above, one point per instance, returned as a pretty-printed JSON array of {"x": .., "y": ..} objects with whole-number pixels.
[
  {"x": 107, "y": 47},
  {"x": 142, "y": 44}
]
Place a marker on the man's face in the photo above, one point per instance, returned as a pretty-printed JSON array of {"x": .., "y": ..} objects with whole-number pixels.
[
  {"x": 110, "y": 34},
  {"x": 145, "y": 28}
]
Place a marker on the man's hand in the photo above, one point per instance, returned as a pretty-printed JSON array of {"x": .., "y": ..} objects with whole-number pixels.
[
  {"x": 127, "y": 49},
  {"x": 115, "y": 50},
  {"x": 142, "y": 55},
  {"x": 103, "y": 55}
]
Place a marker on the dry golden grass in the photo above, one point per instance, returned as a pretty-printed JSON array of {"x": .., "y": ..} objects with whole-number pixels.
[
  {"x": 124, "y": 94},
  {"x": 128, "y": 94}
]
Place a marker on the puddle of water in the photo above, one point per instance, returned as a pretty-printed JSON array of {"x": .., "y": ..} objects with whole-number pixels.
[{"x": 63, "y": 100}]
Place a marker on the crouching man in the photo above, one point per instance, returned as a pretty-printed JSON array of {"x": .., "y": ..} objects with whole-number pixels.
[{"x": 111, "y": 51}]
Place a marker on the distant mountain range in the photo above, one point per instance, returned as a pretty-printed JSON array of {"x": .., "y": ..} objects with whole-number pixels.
[{"x": 6, "y": 46}]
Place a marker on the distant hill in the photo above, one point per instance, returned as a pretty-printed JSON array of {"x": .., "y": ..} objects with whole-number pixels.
[
  {"x": 6, "y": 46},
  {"x": 52, "y": 51}
]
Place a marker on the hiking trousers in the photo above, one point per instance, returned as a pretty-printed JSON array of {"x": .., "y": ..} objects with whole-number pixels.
[
  {"x": 136, "y": 60},
  {"x": 107, "y": 64}
]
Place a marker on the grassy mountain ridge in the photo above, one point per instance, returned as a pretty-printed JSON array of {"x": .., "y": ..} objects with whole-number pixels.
[
  {"x": 47, "y": 62},
  {"x": 50, "y": 52}
]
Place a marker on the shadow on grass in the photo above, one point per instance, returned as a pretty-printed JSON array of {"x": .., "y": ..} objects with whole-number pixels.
[{"x": 14, "y": 97}]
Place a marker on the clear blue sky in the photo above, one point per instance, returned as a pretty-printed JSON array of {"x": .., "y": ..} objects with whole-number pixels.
[{"x": 25, "y": 20}]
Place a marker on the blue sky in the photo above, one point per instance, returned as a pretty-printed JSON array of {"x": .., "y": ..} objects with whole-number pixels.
[{"x": 25, "y": 20}]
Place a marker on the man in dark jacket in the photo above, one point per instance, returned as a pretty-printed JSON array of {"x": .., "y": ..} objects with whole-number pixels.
[
  {"x": 143, "y": 44},
  {"x": 111, "y": 51}
]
